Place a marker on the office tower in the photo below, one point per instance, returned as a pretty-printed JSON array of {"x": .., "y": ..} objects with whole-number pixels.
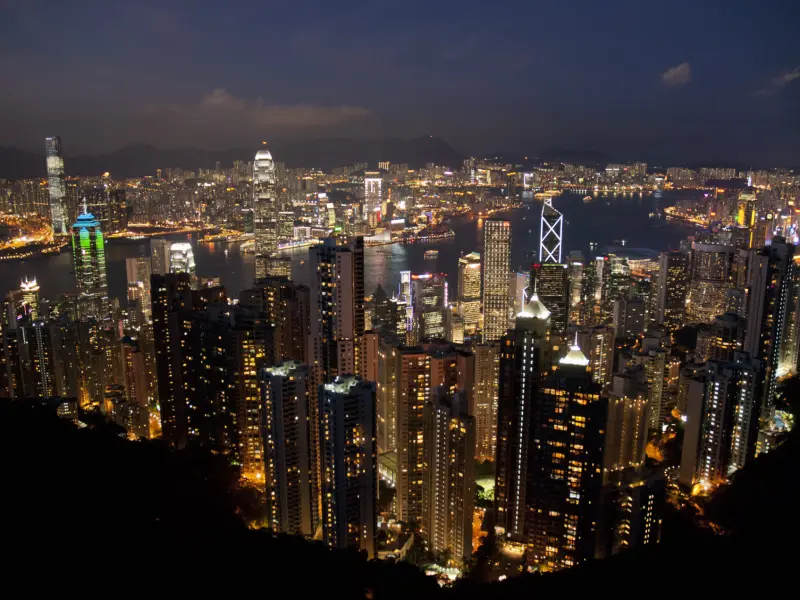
[
  {"x": 139, "y": 271},
  {"x": 55, "y": 184},
  {"x": 790, "y": 343},
  {"x": 337, "y": 306},
  {"x": 453, "y": 326},
  {"x": 449, "y": 485},
  {"x": 265, "y": 209},
  {"x": 29, "y": 291},
  {"x": 771, "y": 276},
  {"x": 469, "y": 290},
  {"x": 575, "y": 274},
  {"x": 89, "y": 263},
  {"x": 287, "y": 447},
  {"x": 372, "y": 192},
  {"x": 412, "y": 368},
  {"x": 550, "y": 233},
  {"x": 278, "y": 266},
  {"x": 496, "y": 268},
  {"x": 629, "y": 317},
  {"x": 567, "y": 442},
  {"x": 36, "y": 347},
  {"x": 487, "y": 364},
  {"x": 429, "y": 298},
  {"x": 709, "y": 281},
  {"x": 673, "y": 275},
  {"x": 522, "y": 361},
  {"x": 551, "y": 282},
  {"x": 181, "y": 258},
  {"x": 730, "y": 419},
  {"x": 747, "y": 209},
  {"x": 598, "y": 345},
  {"x": 691, "y": 399},
  {"x": 517, "y": 293},
  {"x": 159, "y": 256},
  {"x": 349, "y": 464}
]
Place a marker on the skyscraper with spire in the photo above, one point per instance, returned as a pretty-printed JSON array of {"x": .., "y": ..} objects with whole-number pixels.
[
  {"x": 551, "y": 229},
  {"x": 89, "y": 263},
  {"x": 265, "y": 210},
  {"x": 55, "y": 184}
]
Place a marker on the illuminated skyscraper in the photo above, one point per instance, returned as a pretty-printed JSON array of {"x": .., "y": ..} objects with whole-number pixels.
[
  {"x": 55, "y": 184},
  {"x": 373, "y": 184},
  {"x": 487, "y": 366},
  {"x": 469, "y": 290},
  {"x": 349, "y": 464},
  {"x": 429, "y": 297},
  {"x": 159, "y": 256},
  {"x": 598, "y": 345},
  {"x": 265, "y": 209},
  {"x": 181, "y": 258},
  {"x": 287, "y": 447},
  {"x": 730, "y": 418},
  {"x": 89, "y": 261},
  {"x": 771, "y": 274},
  {"x": 449, "y": 484},
  {"x": 710, "y": 279},
  {"x": 337, "y": 306},
  {"x": 30, "y": 296},
  {"x": 551, "y": 282},
  {"x": 496, "y": 269},
  {"x": 567, "y": 442},
  {"x": 673, "y": 277},
  {"x": 138, "y": 271},
  {"x": 550, "y": 233},
  {"x": 522, "y": 362}
]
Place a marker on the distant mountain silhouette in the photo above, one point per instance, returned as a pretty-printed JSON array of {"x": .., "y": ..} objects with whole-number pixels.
[{"x": 142, "y": 159}]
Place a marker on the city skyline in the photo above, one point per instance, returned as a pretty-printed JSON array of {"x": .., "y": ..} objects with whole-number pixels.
[{"x": 672, "y": 88}]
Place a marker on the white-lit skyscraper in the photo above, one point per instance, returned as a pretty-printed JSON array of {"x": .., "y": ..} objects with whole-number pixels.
[
  {"x": 55, "y": 184},
  {"x": 469, "y": 290},
  {"x": 550, "y": 233},
  {"x": 373, "y": 192},
  {"x": 265, "y": 209},
  {"x": 30, "y": 296},
  {"x": 181, "y": 258}
]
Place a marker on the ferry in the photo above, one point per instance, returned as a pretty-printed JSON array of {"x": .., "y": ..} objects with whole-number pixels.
[
  {"x": 431, "y": 254},
  {"x": 587, "y": 198}
]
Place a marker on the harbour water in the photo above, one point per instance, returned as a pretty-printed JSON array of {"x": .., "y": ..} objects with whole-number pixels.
[{"x": 605, "y": 220}]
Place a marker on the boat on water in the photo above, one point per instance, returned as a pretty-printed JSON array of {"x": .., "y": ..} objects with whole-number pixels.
[
  {"x": 431, "y": 254},
  {"x": 587, "y": 198}
]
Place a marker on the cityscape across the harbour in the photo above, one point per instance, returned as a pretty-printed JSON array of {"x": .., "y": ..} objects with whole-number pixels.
[{"x": 558, "y": 373}]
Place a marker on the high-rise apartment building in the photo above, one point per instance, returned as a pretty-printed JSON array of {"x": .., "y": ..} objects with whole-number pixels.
[
  {"x": 138, "y": 270},
  {"x": 598, "y": 345},
  {"x": 487, "y": 364},
  {"x": 729, "y": 428},
  {"x": 55, "y": 184},
  {"x": 771, "y": 274},
  {"x": 348, "y": 463},
  {"x": 449, "y": 484},
  {"x": 469, "y": 290},
  {"x": 89, "y": 263},
  {"x": 287, "y": 447},
  {"x": 337, "y": 307},
  {"x": 496, "y": 268},
  {"x": 373, "y": 193}
]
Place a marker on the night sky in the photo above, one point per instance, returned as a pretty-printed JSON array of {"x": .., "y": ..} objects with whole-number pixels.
[{"x": 679, "y": 80}]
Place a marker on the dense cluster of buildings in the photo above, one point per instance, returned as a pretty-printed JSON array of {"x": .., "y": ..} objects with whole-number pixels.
[{"x": 563, "y": 376}]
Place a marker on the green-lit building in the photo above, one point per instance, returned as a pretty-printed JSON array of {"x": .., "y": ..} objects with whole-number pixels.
[{"x": 89, "y": 262}]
